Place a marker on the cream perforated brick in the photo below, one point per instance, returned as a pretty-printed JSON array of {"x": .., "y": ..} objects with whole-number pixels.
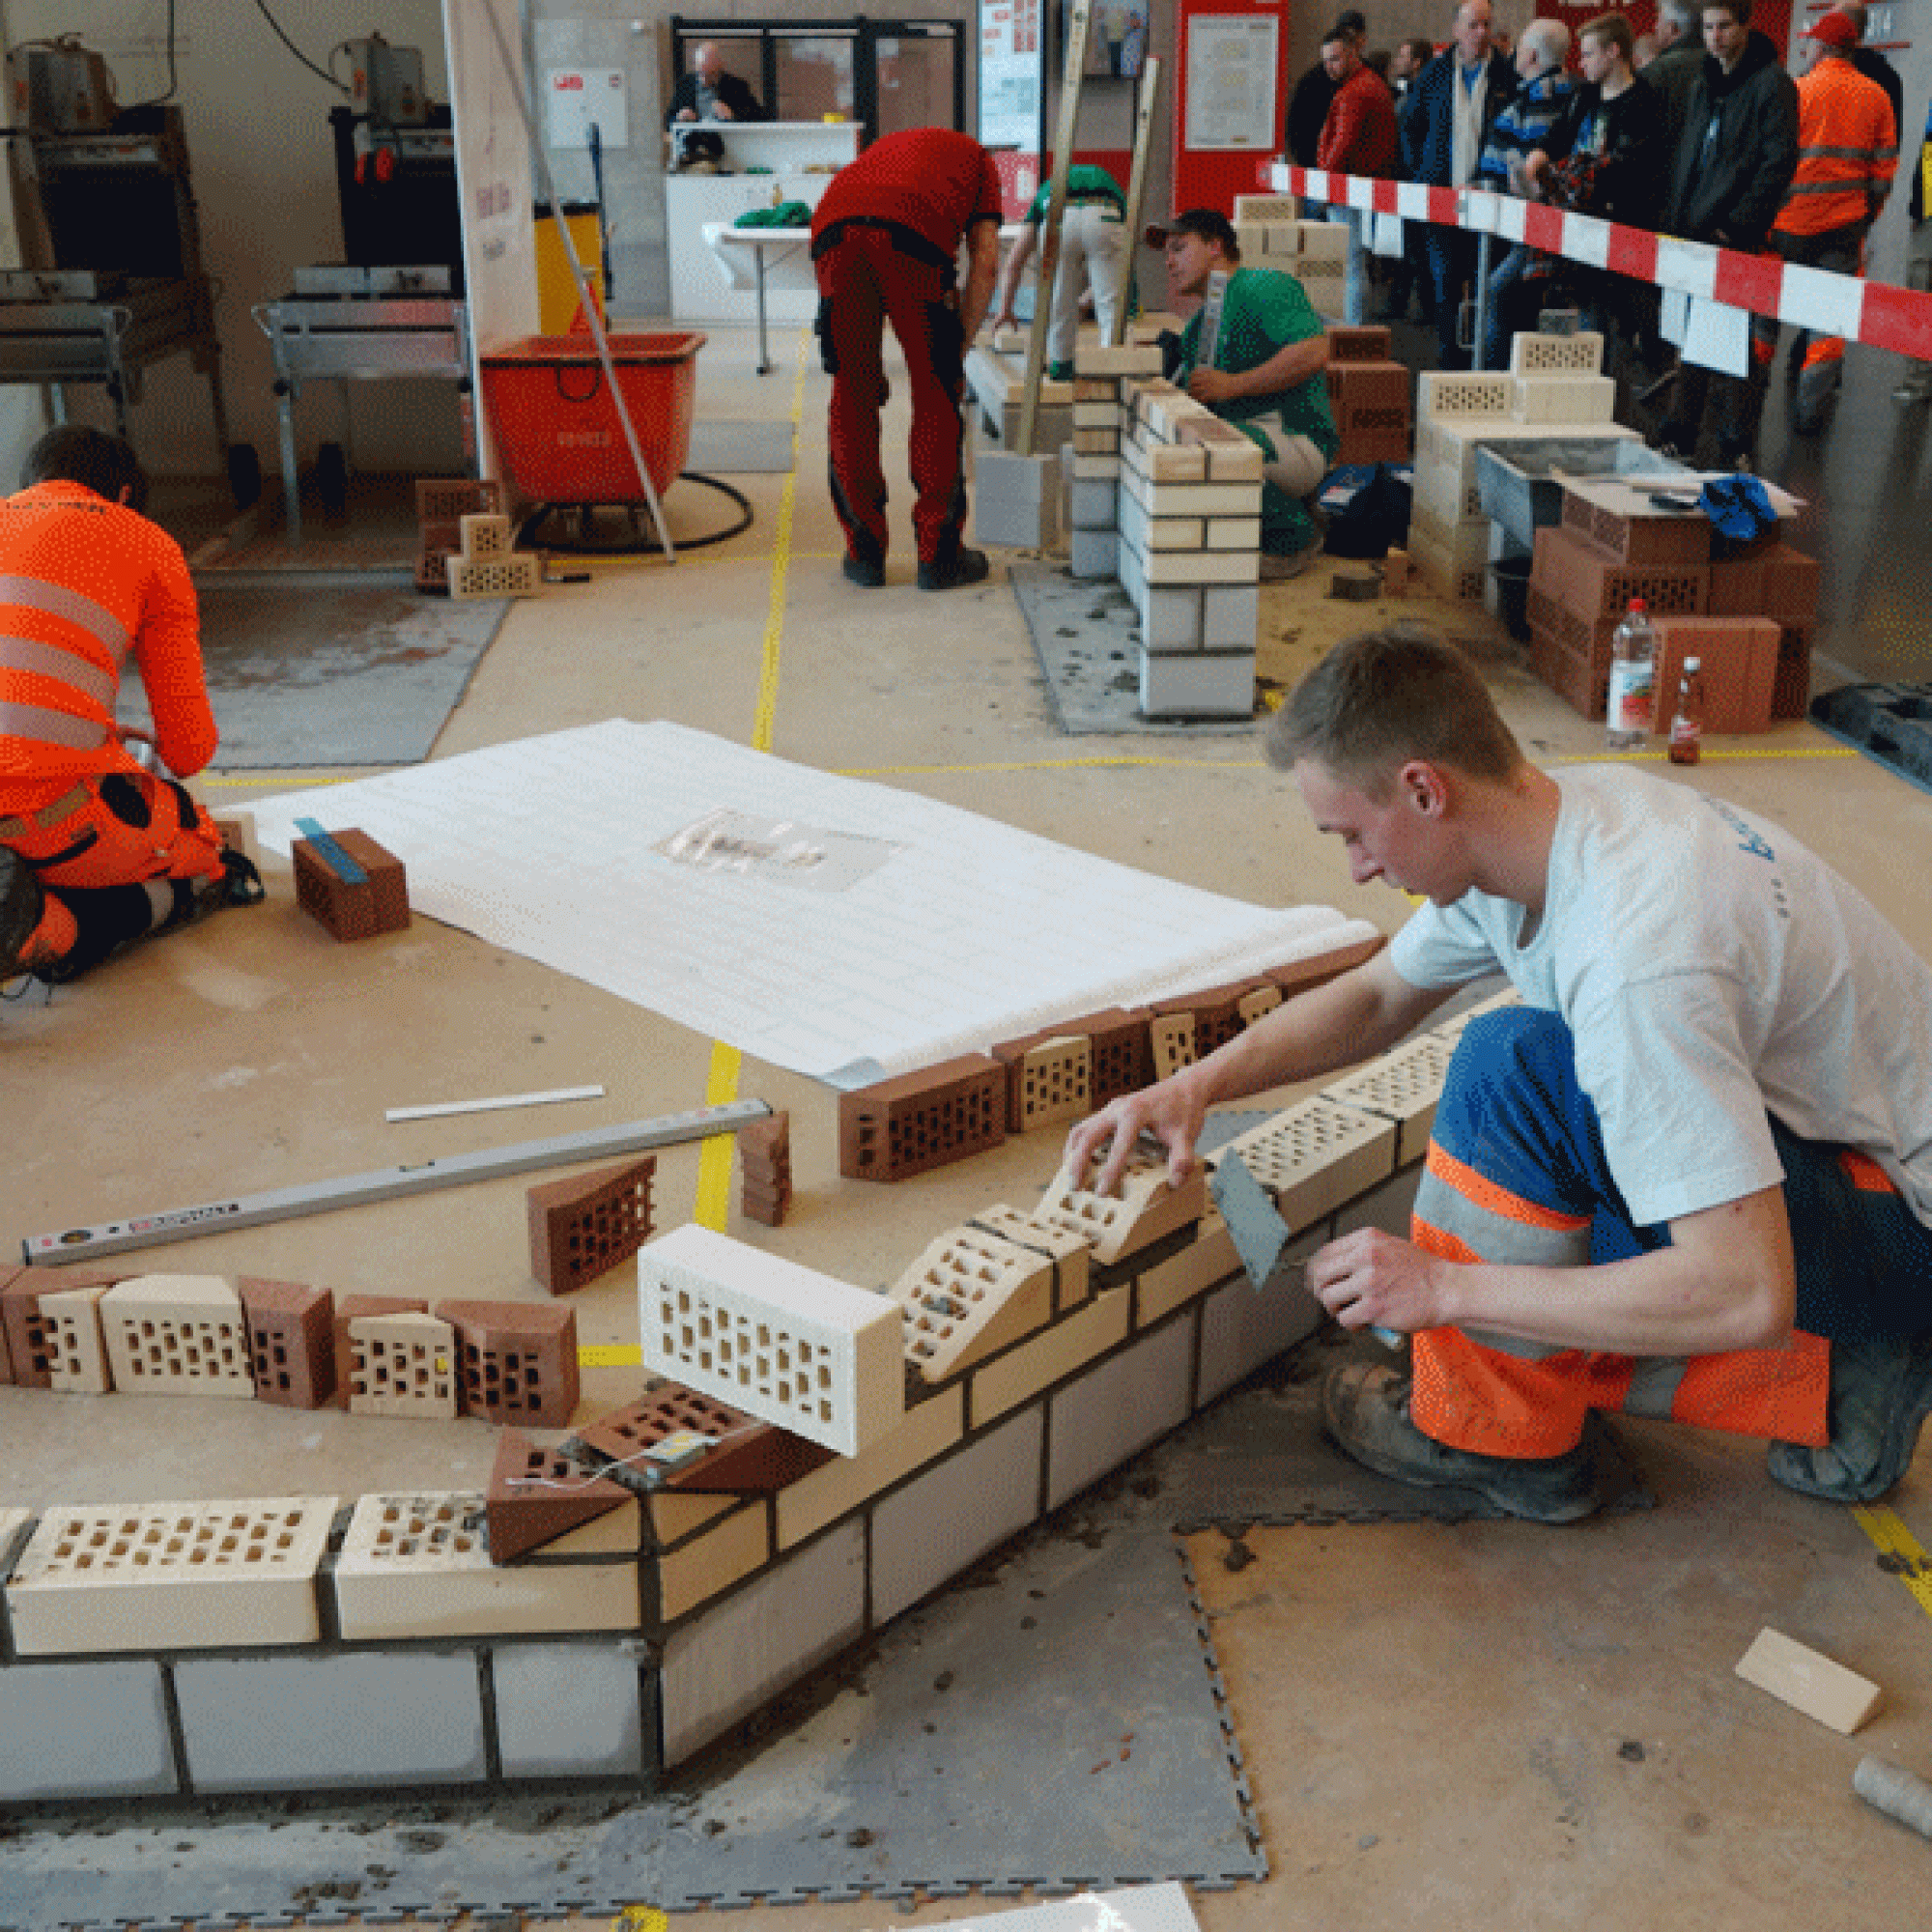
[
  {"x": 1564, "y": 399},
  {"x": 1208, "y": 1261},
  {"x": 76, "y": 1347},
  {"x": 1534, "y": 353},
  {"x": 781, "y": 1342},
  {"x": 178, "y": 1334},
  {"x": 970, "y": 1294},
  {"x": 1258, "y": 1004},
  {"x": 708, "y": 1565},
  {"x": 1403, "y": 1085},
  {"x": 1056, "y": 1081},
  {"x": 484, "y": 536},
  {"x": 1070, "y": 1254},
  {"x": 1267, "y": 208},
  {"x": 838, "y": 1488},
  {"x": 520, "y": 574},
  {"x": 1324, "y": 241},
  {"x": 1315, "y": 1155},
  {"x": 418, "y": 1566},
  {"x": 147, "y": 1577},
  {"x": 1066, "y": 1347},
  {"x": 13, "y": 1521},
  {"x": 1144, "y": 1210},
  {"x": 1469, "y": 392},
  {"x": 1171, "y": 1035},
  {"x": 401, "y": 1365},
  {"x": 1133, "y": 358}
]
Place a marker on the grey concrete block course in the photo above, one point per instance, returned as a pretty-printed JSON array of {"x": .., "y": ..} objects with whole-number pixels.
[
  {"x": 937, "y": 1525},
  {"x": 569, "y": 1709},
  {"x": 1201, "y": 684},
  {"x": 1101, "y": 1420},
  {"x": 83, "y": 1730},
  {"x": 1095, "y": 553},
  {"x": 1231, "y": 616},
  {"x": 365, "y": 1720},
  {"x": 1241, "y": 1326}
]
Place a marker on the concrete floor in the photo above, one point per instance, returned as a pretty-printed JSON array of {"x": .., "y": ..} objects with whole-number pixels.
[{"x": 1530, "y": 1727}]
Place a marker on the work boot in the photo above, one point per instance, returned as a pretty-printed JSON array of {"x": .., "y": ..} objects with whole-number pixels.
[
  {"x": 21, "y": 905},
  {"x": 1059, "y": 372},
  {"x": 1881, "y": 1394},
  {"x": 868, "y": 573},
  {"x": 965, "y": 566},
  {"x": 1365, "y": 1413}
]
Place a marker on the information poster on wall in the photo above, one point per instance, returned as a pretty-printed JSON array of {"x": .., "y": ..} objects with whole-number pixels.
[
  {"x": 1012, "y": 68},
  {"x": 1231, "y": 82}
]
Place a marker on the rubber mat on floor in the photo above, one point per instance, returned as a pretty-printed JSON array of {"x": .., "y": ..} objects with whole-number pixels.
[
  {"x": 1085, "y": 635},
  {"x": 1056, "y": 1722},
  {"x": 1893, "y": 721}
]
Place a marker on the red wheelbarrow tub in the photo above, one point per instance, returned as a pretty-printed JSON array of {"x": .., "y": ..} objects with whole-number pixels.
[{"x": 559, "y": 436}]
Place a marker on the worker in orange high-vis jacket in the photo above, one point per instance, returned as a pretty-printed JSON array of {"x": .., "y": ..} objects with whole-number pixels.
[
  {"x": 95, "y": 848},
  {"x": 1689, "y": 1177},
  {"x": 1847, "y": 154}
]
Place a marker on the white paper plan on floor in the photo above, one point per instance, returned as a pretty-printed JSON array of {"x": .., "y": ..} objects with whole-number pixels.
[{"x": 837, "y": 928}]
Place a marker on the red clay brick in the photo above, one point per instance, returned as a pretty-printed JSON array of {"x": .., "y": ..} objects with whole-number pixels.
[
  {"x": 516, "y": 1361},
  {"x": 1777, "y": 581},
  {"x": 582, "y": 1228},
  {"x": 290, "y": 1341},
  {"x": 20, "y": 1313},
  {"x": 524, "y": 1510},
  {"x": 1663, "y": 538},
  {"x": 380, "y": 904},
  {"x": 1370, "y": 343},
  {"x": 1571, "y": 569},
  {"x": 1791, "y": 692},
  {"x": 902, "y": 1127},
  {"x": 1739, "y": 656},
  {"x": 748, "y": 1458},
  {"x": 1298, "y": 975}
]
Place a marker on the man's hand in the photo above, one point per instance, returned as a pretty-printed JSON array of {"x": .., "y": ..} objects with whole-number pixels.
[
  {"x": 1168, "y": 1110},
  {"x": 1372, "y": 1279},
  {"x": 685, "y": 114},
  {"x": 1212, "y": 385},
  {"x": 722, "y": 113}
]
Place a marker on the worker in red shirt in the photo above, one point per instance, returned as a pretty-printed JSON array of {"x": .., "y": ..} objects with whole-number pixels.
[
  {"x": 95, "y": 849},
  {"x": 885, "y": 239}
]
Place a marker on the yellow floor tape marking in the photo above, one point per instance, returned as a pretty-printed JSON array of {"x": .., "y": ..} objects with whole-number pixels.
[
  {"x": 714, "y": 1161},
  {"x": 1891, "y": 1538},
  {"x": 608, "y": 1355}
]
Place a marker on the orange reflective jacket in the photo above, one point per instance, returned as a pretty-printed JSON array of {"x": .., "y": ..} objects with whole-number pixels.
[
  {"x": 85, "y": 584},
  {"x": 1847, "y": 151}
]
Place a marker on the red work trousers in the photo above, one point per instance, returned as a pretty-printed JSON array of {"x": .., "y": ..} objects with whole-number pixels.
[{"x": 867, "y": 280}]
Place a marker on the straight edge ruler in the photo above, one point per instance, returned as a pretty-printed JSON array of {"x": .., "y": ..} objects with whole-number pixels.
[{"x": 384, "y": 1184}]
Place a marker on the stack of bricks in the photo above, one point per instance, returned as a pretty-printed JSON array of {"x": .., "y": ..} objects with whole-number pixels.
[
  {"x": 488, "y": 563},
  {"x": 1190, "y": 508},
  {"x": 913, "y": 1122},
  {"x": 442, "y": 505},
  {"x": 1080, "y": 1333},
  {"x": 764, "y": 1166},
  {"x": 1369, "y": 393},
  {"x": 347, "y": 906},
  {"x": 1270, "y": 235},
  {"x": 1553, "y": 390},
  {"x": 1090, "y": 464},
  {"x": 1766, "y": 577}
]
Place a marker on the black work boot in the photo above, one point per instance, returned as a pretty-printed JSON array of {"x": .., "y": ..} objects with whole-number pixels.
[
  {"x": 1365, "y": 1411},
  {"x": 21, "y": 905},
  {"x": 962, "y": 566},
  {"x": 1880, "y": 1395}
]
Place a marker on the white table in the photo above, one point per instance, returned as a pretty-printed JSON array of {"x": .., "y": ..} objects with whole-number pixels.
[{"x": 750, "y": 257}]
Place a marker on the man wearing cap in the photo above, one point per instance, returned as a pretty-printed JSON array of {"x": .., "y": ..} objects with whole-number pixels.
[{"x": 1265, "y": 375}]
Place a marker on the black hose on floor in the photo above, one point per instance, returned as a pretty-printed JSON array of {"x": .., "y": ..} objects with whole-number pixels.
[{"x": 587, "y": 545}]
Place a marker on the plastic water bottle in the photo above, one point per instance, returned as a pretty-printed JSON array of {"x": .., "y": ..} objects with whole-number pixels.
[
  {"x": 1686, "y": 721},
  {"x": 1631, "y": 709}
]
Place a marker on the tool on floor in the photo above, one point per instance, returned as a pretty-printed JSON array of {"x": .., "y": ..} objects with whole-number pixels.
[
  {"x": 1896, "y": 1791},
  {"x": 387, "y": 1183},
  {"x": 1257, "y": 1229}
]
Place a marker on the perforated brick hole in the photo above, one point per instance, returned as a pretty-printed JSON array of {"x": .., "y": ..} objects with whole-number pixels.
[
  {"x": 792, "y": 1372},
  {"x": 177, "y": 1539}
]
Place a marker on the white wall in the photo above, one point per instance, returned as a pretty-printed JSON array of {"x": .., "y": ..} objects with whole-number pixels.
[{"x": 264, "y": 172}]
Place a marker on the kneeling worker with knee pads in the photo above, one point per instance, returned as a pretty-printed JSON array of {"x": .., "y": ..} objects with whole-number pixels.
[{"x": 95, "y": 849}]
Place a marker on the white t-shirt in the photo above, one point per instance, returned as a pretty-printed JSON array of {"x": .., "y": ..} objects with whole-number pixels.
[{"x": 1710, "y": 968}]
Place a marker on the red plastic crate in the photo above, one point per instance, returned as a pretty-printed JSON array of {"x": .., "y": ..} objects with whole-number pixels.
[{"x": 558, "y": 435}]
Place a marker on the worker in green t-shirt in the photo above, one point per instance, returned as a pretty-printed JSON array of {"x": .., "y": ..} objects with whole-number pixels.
[
  {"x": 1092, "y": 242},
  {"x": 1266, "y": 376}
]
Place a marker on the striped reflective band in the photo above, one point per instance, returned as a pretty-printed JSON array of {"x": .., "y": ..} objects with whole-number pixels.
[
  {"x": 51, "y": 728},
  {"x": 32, "y": 593},
  {"x": 37, "y": 659}
]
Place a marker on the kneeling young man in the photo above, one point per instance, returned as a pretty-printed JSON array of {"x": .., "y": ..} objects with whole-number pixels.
[{"x": 1690, "y": 1177}]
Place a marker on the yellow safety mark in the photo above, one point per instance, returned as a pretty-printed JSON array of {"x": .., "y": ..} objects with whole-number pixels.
[
  {"x": 1660, "y": 756},
  {"x": 608, "y": 1355},
  {"x": 640, "y": 1918},
  {"x": 1899, "y": 1550}
]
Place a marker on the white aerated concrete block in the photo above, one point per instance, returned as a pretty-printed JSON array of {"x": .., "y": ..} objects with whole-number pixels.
[
  {"x": 836, "y": 1488},
  {"x": 84, "y": 1730},
  {"x": 360, "y": 1721},
  {"x": 1231, "y": 616},
  {"x": 1242, "y": 1326},
  {"x": 1109, "y": 1415},
  {"x": 570, "y": 1710},
  {"x": 930, "y": 1530},
  {"x": 1534, "y": 353},
  {"x": 1095, "y": 555},
  {"x": 1564, "y": 399},
  {"x": 1315, "y": 1155},
  {"x": 783, "y": 1342},
  {"x": 1207, "y": 684},
  {"x": 726, "y": 1662},
  {"x": 144, "y": 1576},
  {"x": 1389, "y": 1205},
  {"x": 1403, "y": 1086},
  {"x": 1015, "y": 499},
  {"x": 177, "y": 1334},
  {"x": 418, "y": 1565}
]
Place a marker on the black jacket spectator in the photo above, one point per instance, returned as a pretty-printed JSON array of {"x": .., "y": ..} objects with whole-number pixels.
[
  {"x": 1874, "y": 66},
  {"x": 1428, "y": 121},
  {"x": 1738, "y": 151},
  {"x": 1671, "y": 76},
  {"x": 735, "y": 94},
  {"x": 1308, "y": 113},
  {"x": 1625, "y": 138}
]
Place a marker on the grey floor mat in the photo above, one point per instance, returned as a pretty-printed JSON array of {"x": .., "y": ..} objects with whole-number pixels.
[
  {"x": 1055, "y": 1723},
  {"x": 1085, "y": 635},
  {"x": 331, "y": 669},
  {"x": 744, "y": 448}
]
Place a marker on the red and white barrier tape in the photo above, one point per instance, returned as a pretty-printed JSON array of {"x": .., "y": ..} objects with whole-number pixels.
[{"x": 1875, "y": 313}]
